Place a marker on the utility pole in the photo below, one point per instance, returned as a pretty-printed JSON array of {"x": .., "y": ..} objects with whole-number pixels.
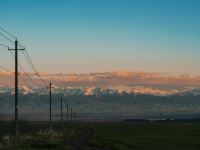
[
  {"x": 71, "y": 114},
  {"x": 16, "y": 86},
  {"x": 67, "y": 112},
  {"x": 61, "y": 111},
  {"x": 50, "y": 106}
]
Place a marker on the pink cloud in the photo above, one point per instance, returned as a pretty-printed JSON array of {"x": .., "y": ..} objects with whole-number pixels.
[{"x": 109, "y": 79}]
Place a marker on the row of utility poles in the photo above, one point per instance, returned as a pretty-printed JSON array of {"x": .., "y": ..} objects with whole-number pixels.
[{"x": 73, "y": 114}]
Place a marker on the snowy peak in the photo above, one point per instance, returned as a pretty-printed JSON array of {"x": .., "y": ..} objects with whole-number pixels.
[
  {"x": 117, "y": 82},
  {"x": 99, "y": 91}
]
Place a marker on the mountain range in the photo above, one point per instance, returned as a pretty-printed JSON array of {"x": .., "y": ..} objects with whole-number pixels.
[
  {"x": 115, "y": 95},
  {"x": 98, "y": 91}
]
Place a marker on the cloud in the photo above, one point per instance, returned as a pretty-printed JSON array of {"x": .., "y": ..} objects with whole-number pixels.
[{"x": 108, "y": 79}]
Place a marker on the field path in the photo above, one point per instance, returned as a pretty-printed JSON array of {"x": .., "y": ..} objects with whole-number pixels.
[{"x": 80, "y": 142}]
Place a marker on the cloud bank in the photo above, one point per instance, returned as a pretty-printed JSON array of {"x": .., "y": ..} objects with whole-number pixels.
[{"x": 120, "y": 80}]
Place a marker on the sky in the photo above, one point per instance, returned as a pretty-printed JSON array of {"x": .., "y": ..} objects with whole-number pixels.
[{"x": 82, "y": 36}]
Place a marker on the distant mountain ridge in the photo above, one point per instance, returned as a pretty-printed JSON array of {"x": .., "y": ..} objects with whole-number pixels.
[
  {"x": 106, "y": 83},
  {"x": 98, "y": 91}
]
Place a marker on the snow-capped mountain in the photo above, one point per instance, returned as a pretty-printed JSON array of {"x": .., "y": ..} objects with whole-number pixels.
[
  {"x": 98, "y": 91},
  {"x": 108, "y": 83}
]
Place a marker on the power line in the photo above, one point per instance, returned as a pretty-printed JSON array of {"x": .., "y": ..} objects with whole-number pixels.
[
  {"x": 4, "y": 45},
  {"x": 27, "y": 75},
  {"x": 4, "y": 68},
  {"x": 8, "y": 32},
  {"x": 32, "y": 66},
  {"x": 30, "y": 62},
  {"x": 16, "y": 49},
  {"x": 24, "y": 72},
  {"x": 6, "y": 38},
  {"x": 14, "y": 56},
  {"x": 8, "y": 47}
]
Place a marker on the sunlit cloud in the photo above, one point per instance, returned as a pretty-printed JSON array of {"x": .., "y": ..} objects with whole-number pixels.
[{"x": 108, "y": 79}]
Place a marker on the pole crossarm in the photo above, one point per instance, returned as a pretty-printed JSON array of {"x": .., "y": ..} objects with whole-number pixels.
[{"x": 15, "y": 49}]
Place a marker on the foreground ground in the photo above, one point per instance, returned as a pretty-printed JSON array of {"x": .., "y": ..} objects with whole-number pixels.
[{"x": 102, "y": 135}]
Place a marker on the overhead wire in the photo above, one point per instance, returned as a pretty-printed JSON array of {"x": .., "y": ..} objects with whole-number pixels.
[
  {"x": 4, "y": 68},
  {"x": 4, "y": 45},
  {"x": 6, "y": 38},
  {"x": 30, "y": 62},
  {"x": 24, "y": 72},
  {"x": 13, "y": 54},
  {"x": 3, "y": 29},
  {"x": 28, "y": 58}
]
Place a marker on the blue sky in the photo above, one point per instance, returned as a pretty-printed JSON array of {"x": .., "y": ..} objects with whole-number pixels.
[{"x": 106, "y": 35}]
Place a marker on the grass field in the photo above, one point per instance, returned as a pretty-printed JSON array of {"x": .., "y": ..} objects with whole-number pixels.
[
  {"x": 102, "y": 135},
  {"x": 148, "y": 136}
]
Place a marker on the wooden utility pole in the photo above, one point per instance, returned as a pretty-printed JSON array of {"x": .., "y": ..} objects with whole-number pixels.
[
  {"x": 61, "y": 111},
  {"x": 16, "y": 86},
  {"x": 67, "y": 112},
  {"x": 50, "y": 106}
]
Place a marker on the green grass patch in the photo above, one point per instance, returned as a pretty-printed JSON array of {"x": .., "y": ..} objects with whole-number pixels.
[{"x": 147, "y": 136}]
